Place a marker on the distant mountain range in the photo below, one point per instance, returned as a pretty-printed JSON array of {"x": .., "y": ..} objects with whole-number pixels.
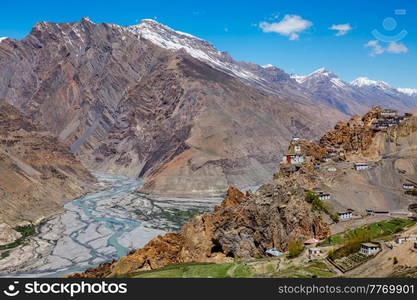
[
  {"x": 356, "y": 96},
  {"x": 321, "y": 85},
  {"x": 149, "y": 101}
]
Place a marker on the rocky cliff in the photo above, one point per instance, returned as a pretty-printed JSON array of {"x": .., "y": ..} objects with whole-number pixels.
[{"x": 38, "y": 173}]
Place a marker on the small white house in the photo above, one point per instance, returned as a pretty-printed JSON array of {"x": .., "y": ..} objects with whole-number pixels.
[
  {"x": 408, "y": 186},
  {"x": 361, "y": 166},
  {"x": 369, "y": 249},
  {"x": 403, "y": 239},
  {"x": 345, "y": 215},
  {"x": 295, "y": 139},
  {"x": 323, "y": 196},
  {"x": 314, "y": 251},
  {"x": 297, "y": 148},
  {"x": 388, "y": 113},
  {"x": 332, "y": 169}
]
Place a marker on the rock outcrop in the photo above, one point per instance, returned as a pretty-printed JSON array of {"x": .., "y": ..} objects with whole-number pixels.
[
  {"x": 38, "y": 173},
  {"x": 354, "y": 136}
]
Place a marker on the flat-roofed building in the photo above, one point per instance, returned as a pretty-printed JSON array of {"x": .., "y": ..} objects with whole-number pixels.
[
  {"x": 361, "y": 166},
  {"x": 369, "y": 249}
]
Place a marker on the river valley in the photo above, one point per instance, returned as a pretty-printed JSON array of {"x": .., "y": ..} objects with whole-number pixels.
[{"x": 98, "y": 227}]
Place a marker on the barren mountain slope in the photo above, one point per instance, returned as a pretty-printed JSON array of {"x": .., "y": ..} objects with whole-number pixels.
[
  {"x": 38, "y": 174},
  {"x": 129, "y": 107}
]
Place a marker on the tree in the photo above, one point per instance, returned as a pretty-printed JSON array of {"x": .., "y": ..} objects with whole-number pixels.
[{"x": 295, "y": 248}]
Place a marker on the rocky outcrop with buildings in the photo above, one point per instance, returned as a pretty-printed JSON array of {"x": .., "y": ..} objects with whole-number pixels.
[{"x": 373, "y": 155}]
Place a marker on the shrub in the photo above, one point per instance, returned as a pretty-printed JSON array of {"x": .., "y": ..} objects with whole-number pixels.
[
  {"x": 351, "y": 245},
  {"x": 413, "y": 192},
  {"x": 26, "y": 230},
  {"x": 310, "y": 197},
  {"x": 295, "y": 248},
  {"x": 319, "y": 205},
  {"x": 395, "y": 261},
  {"x": 335, "y": 217}
]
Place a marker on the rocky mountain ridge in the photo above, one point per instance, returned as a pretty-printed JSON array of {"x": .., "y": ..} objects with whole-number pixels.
[
  {"x": 126, "y": 106},
  {"x": 322, "y": 85}
]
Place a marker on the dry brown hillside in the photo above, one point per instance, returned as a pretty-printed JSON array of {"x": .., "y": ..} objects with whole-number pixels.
[{"x": 38, "y": 174}]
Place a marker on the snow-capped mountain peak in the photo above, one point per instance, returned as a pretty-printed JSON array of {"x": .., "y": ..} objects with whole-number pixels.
[
  {"x": 365, "y": 81},
  {"x": 151, "y": 24},
  {"x": 168, "y": 38},
  {"x": 265, "y": 77},
  {"x": 2, "y": 38},
  {"x": 321, "y": 75}
]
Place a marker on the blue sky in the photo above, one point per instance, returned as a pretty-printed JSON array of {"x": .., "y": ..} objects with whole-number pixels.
[{"x": 293, "y": 35}]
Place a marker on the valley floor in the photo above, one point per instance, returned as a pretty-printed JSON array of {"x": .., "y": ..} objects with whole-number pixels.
[{"x": 97, "y": 228}]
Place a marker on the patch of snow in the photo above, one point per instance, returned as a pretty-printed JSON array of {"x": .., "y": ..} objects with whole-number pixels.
[
  {"x": 364, "y": 81},
  {"x": 408, "y": 91},
  {"x": 298, "y": 78},
  {"x": 2, "y": 38},
  {"x": 321, "y": 71},
  {"x": 338, "y": 82},
  {"x": 268, "y": 66}
]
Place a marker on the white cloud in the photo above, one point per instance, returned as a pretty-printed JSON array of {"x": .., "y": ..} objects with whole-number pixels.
[
  {"x": 376, "y": 48},
  {"x": 341, "y": 29},
  {"x": 397, "y": 48},
  {"x": 393, "y": 47},
  {"x": 291, "y": 26}
]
